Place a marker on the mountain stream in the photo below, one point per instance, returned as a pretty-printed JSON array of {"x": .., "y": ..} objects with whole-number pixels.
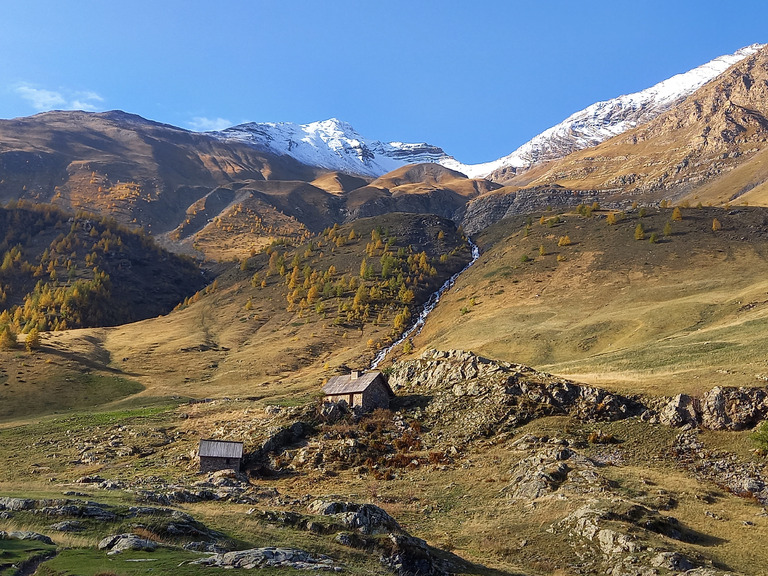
[{"x": 416, "y": 327}]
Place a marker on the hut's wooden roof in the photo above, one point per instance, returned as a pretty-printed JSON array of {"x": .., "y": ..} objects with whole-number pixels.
[
  {"x": 221, "y": 449},
  {"x": 348, "y": 384}
]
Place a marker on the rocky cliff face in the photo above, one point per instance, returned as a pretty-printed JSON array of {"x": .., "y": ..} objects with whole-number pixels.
[{"x": 488, "y": 209}]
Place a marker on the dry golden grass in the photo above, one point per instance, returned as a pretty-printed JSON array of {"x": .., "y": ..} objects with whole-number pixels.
[
  {"x": 681, "y": 315},
  {"x": 734, "y": 527}
]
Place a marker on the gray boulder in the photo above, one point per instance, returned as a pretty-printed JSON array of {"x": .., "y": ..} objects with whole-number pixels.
[
  {"x": 679, "y": 411},
  {"x": 270, "y": 557},
  {"x": 733, "y": 408},
  {"x": 24, "y": 535},
  {"x": 364, "y": 518},
  {"x": 117, "y": 543},
  {"x": 67, "y": 526}
]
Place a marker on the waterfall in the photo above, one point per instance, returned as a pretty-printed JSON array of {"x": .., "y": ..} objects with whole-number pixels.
[{"x": 427, "y": 308}]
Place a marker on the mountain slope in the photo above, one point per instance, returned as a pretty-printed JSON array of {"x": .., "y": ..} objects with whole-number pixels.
[
  {"x": 603, "y": 307},
  {"x": 199, "y": 194},
  {"x": 123, "y": 165},
  {"x": 713, "y": 143},
  {"x": 603, "y": 120},
  {"x": 335, "y": 145}
]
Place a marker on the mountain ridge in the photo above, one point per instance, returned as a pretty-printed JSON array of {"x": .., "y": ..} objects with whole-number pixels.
[
  {"x": 334, "y": 144},
  {"x": 710, "y": 147}
]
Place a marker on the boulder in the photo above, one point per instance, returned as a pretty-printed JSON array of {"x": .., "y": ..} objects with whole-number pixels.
[
  {"x": 25, "y": 535},
  {"x": 67, "y": 526},
  {"x": 270, "y": 557},
  {"x": 679, "y": 411},
  {"x": 364, "y": 518},
  {"x": 117, "y": 543},
  {"x": 410, "y": 556},
  {"x": 671, "y": 561},
  {"x": 331, "y": 412},
  {"x": 209, "y": 547},
  {"x": 733, "y": 408}
]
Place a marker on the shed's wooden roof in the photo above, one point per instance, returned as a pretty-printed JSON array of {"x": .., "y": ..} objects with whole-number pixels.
[
  {"x": 221, "y": 449},
  {"x": 346, "y": 384}
]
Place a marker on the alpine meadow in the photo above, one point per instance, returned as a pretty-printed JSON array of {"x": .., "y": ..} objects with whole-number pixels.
[{"x": 288, "y": 347}]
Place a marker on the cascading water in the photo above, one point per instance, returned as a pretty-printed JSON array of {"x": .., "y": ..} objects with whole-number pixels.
[{"x": 427, "y": 308}]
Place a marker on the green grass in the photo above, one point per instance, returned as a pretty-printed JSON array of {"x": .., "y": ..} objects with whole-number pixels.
[
  {"x": 89, "y": 562},
  {"x": 13, "y": 552},
  {"x": 60, "y": 392},
  {"x": 53, "y": 438}
]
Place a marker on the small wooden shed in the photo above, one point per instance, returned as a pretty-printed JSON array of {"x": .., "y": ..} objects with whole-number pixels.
[
  {"x": 368, "y": 390},
  {"x": 220, "y": 455}
]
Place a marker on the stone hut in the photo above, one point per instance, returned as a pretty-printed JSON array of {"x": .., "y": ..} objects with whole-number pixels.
[
  {"x": 368, "y": 390},
  {"x": 220, "y": 455}
]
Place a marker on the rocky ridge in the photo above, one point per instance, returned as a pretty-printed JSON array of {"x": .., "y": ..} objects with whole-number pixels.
[
  {"x": 721, "y": 408},
  {"x": 717, "y": 129},
  {"x": 472, "y": 397}
]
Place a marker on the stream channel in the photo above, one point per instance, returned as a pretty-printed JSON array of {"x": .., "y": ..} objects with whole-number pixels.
[{"x": 427, "y": 308}]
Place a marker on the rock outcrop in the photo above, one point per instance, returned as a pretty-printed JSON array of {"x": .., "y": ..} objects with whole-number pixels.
[
  {"x": 270, "y": 557},
  {"x": 471, "y": 397},
  {"x": 551, "y": 466},
  {"x": 489, "y": 208},
  {"x": 741, "y": 478},
  {"x": 374, "y": 530},
  {"x": 25, "y": 535},
  {"x": 16, "y": 504},
  {"x": 117, "y": 543},
  {"x": 364, "y": 518},
  {"x": 722, "y": 408},
  {"x": 75, "y": 515}
]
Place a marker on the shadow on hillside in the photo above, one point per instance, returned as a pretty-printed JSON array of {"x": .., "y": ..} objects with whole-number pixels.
[
  {"x": 410, "y": 401},
  {"x": 83, "y": 360},
  {"x": 462, "y": 566}
]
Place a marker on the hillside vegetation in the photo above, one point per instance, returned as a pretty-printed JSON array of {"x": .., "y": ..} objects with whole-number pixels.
[
  {"x": 673, "y": 306},
  {"x": 277, "y": 323},
  {"x": 62, "y": 271}
]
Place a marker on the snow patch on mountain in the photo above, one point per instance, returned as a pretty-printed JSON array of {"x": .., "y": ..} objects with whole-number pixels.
[
  {"x": 336, "y": 145},
  {"x": 603, "y": 120},
  {"x": 332, "y": 144}
]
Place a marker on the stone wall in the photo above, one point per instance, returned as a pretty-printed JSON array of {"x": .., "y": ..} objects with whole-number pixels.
[{"x": 211, "y": 464}]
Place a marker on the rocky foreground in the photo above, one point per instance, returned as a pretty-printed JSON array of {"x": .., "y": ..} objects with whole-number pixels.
[{"x": 453, "y": 409}]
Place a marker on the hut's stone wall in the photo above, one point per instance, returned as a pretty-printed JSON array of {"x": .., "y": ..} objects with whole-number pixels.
[{"x": 212, "y": 464}]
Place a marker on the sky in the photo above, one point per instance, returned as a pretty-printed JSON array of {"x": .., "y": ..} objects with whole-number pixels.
[{"x": 477, "y": 78}]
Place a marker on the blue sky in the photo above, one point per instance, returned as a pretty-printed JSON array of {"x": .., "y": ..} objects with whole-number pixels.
[{"x": 476, "y": 78}]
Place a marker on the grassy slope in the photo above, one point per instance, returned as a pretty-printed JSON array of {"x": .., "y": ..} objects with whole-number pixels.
[
  {"x": 681, "y": 315},
  {"x": 218, "y": 347},
  {"x": 629, "y": 307}
]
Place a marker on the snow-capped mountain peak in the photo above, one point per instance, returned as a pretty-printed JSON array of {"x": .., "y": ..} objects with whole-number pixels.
[
  {"x": 603, "y": 120},
  {"x": 332, "y": 144},
  {"x": 335, "y": 145}
]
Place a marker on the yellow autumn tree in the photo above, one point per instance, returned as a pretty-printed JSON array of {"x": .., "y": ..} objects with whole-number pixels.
[
  {"x": 33, "y": 340},
  {"x": 7, "y": 338}
]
